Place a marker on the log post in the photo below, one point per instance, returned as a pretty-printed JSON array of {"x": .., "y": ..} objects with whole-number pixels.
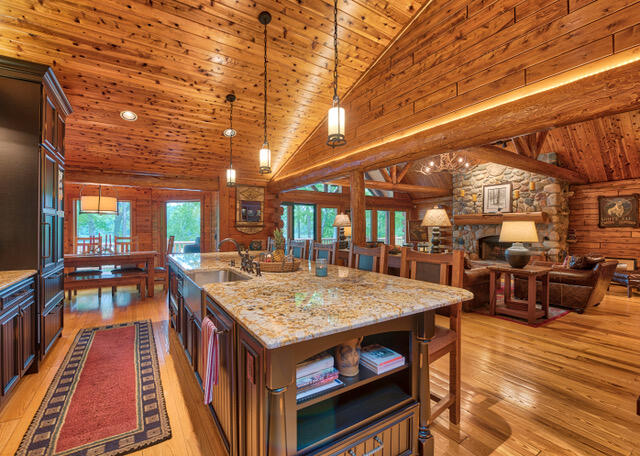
[{"x": 358, "y": 224}]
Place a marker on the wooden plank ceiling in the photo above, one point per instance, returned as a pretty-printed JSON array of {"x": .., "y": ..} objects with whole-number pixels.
[{"x": 173, "y": 62}]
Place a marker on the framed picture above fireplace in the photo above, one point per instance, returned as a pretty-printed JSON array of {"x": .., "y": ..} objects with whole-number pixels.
[{"x": 497, "y": 198}]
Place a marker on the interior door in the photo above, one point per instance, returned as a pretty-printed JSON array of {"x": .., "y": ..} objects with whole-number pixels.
[{"x": 49, "y": 210}]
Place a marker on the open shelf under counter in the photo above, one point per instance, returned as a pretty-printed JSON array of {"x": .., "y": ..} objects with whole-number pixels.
[
  {"x": 331, "y": 417},
  {"x": 364, "y": 377}
]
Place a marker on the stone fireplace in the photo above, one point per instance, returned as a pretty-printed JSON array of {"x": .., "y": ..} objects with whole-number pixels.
[
  {"x": 490, "y": 248},
  {"x": 549, "y": 195}
]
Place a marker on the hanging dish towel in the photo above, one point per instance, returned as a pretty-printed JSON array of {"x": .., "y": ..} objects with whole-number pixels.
[{"x": 210, "y": 358}]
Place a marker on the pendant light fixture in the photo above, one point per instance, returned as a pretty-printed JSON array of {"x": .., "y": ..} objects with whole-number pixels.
[
  {"x": 335, "y": 121},
  {"x": 103, "y": 205},
  {"x": 265, "y": 153},
  {"x": 230, "y": 133}
]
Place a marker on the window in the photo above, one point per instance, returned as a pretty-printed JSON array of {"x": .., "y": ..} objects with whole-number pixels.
[
  {"x": 383, "y": 217},
  {"x": 304, "y": 221},
  {"x": 367, "y": 216},
  {"x": 285, "y": 221},
  {"x": 400, "y": 228},
  {"x": 328, "y": 232},
  {"x": 104, "y": 224},
  {"x": 183, "y": 222},
  {"x": 327, "y": 188}
]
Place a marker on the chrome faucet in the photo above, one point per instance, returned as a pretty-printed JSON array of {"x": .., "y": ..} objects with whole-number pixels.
[{"x": 234, "y": 243}]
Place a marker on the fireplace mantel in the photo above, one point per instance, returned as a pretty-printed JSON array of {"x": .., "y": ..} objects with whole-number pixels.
[{"x": 497, "y": 219}]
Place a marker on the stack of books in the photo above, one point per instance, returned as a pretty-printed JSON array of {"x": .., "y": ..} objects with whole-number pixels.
[
  {"x": 380, "y": 359},
  {"x": 316, "y": 375}
]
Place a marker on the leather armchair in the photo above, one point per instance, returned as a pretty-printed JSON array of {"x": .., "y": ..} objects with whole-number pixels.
[
  {"x": 573, "y": 288},
  {"x": 476, "y": 280}
]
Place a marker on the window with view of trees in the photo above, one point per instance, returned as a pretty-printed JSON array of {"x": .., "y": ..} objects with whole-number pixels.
[
  {"x": 382, "y": 225},
  {"x": 400, "y": 227},
  {"x": 367, "y": 216},
  {"x": 285, "y": 222},
  {"x": 104, "y": 224},
  {"x": 327, "y": 231},
  {"x": 304, "y": 221},
  {"x": 183, "y": 222}
]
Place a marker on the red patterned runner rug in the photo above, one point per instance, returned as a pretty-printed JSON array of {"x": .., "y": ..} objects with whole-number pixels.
[{"x": 106, "y": 398}]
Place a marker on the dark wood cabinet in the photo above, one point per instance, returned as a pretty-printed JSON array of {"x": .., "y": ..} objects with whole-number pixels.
[
  {"x": 33, "y": 116},
  {"x": 52, "y": 322},
  {"x": 224, "y": 393},
  {"x": 251, "y": 368},
  {"x": 18, "y": 339},
  {"x": 10, "y": 350}
]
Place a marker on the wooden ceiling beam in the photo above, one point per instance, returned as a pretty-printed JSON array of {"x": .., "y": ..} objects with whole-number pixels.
[
  {"x": 403, "y": 172},
  {"x": 390, "y": 186},
  {"x": 80, "y": 176},
  {"x": 585, "y": 93},
  {"x": 495, "y": 154},
  {"x": 342, "y": 199},
  {"x": 385, "y": 174}
]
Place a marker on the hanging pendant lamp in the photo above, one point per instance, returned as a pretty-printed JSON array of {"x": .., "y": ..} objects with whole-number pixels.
[
  {"x": 98, "y": 204},
  {"x": 265, "y": 153},
  {"x": 335, "y": 120},
  {"x": 230, "y": 133}
]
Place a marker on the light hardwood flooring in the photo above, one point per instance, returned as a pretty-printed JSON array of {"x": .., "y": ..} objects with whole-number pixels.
[{"x": 569, "y": 388}]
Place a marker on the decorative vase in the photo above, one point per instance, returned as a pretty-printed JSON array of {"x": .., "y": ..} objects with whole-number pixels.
[
  {"x": 278, "y": 255},
  {"x": 348, "y": 357}
]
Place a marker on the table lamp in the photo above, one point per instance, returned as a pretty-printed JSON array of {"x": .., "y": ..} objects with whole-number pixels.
[
  {"x": 436, "y": 218},
  {"x": 518, "y": 231},
  {"x": 342, "y": 221}
]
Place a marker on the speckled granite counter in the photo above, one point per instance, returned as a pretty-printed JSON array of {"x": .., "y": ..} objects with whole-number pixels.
[
  {"x": 8, "y": 278},
  {"x": 282, "y": 309}
]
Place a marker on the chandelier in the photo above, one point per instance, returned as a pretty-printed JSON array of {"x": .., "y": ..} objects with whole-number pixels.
[
  {"x": 447, "y": 162},
  {"x": 335, "y": 119}
]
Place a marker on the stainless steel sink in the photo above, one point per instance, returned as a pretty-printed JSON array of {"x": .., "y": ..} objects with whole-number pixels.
[{"x": 205, "y": 277}]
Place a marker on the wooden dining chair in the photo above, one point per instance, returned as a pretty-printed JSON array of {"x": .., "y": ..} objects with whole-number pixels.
[
  {"x": 328, "y": 251},
  {"x": 367, "y": 258},
  {"x": 88, "y": 245},
  {"x": 124, "y": 244},
  {"x": 450, "y": 271},
  {"x": 161, "y": 271},
  {"x": 299, "y": 248}
]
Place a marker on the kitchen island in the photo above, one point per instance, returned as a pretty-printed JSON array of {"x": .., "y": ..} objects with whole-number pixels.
[{"x": 270, "y": 323}]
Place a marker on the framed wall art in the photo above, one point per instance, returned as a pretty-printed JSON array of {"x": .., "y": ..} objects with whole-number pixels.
[
  {"x": 497, "y": 198},
  {"x": 618, "y": 211}
]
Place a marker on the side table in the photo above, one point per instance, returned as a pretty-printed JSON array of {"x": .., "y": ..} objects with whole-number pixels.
[
  {"x": 629, "y": 279},
  {"x": 520, "y": 308}
]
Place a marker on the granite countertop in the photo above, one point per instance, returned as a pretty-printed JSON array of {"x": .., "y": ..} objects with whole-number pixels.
[
  {"x": 282, "y": 309},
  {"x": 8, "y": 278}
]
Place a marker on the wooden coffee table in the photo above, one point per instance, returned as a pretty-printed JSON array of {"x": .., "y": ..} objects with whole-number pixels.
[
  {"x": 629, "y": 279},
  {"x": 520, "y": 308}
]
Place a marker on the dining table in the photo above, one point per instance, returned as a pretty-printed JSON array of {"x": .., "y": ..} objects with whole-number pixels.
[{"x": 146, "y": 258}]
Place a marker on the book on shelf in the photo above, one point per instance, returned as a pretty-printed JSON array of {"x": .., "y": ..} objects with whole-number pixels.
[
  {"x": 328, "y": 374},
  {"x": 309, "y": 393},
  {"x": 314, "y": 364},
  {"x": 380, "y": 359}
]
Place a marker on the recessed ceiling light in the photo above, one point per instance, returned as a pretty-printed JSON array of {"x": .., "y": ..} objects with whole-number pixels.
[
  {"x": 129, "y": 115},
  {"x": 229, "y": 132}
]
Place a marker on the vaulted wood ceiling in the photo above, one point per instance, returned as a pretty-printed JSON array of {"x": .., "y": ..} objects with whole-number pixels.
[{"x": 173, "y": 62}]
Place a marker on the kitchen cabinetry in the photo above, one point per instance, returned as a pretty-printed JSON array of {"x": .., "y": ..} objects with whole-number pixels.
[
  {"x": 32, "y": 127},
  {"x": 18, "y": 324}
]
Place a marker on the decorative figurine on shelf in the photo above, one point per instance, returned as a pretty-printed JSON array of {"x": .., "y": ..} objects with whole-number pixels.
[
  {"x": 474, "y": 198},
  {"x": 348, "y": 357},
  {"x": 516, "y": 197},
  {"x": 278, "y": 253}
]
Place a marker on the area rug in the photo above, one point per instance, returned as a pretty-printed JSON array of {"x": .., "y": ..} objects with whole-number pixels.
[{"x": 106, "y": 398}]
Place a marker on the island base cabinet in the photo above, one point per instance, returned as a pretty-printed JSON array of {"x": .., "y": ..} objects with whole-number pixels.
[
  {"x": 394, "y": 436},
  {"x": 251, "y": 389}
]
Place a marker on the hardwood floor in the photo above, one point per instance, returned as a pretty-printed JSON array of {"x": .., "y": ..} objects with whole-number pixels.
[{"x": 569, "y": 388}]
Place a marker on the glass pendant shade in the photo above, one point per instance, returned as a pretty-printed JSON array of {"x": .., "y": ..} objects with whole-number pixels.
[
  {"x": 336, "y": 126},
  {"x": 265, "y": 159},
  {"x": 231, "y": 177},
  {"x": 98, "y": 205}
]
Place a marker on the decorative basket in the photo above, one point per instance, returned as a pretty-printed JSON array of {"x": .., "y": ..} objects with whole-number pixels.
[{"x": 280, "y": 266}]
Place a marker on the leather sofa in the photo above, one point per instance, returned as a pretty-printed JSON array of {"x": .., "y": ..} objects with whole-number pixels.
[{"x": 575, "y": 289}]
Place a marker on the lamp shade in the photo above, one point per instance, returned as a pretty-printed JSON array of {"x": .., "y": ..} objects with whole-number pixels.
[
  {"x": 436, "y": 217},
  {"x": 518, "y": 231},
  {"x": 265, "y": 159},
  {"x": 231, "y": 177},
  {"x": 342, "y": 221},
  {"x": 335, "y": 125},
  {"x": 98, "y": 205}
]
